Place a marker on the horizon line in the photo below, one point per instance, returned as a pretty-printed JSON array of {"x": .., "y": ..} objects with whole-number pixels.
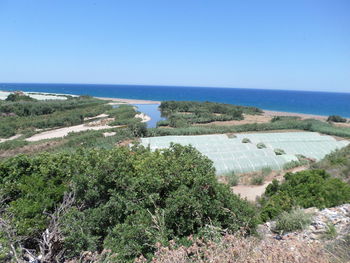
[{"x": 159, "y": 85}]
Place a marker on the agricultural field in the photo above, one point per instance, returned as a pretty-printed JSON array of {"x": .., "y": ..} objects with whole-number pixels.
[{"x": 251, "y": 152}]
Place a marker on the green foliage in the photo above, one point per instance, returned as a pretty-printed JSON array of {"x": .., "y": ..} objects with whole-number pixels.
[
  {"x": 257, "y": 179},
  {"x": 311, "y": 188},
  {"x": 294, "y": 164},
  {"x": 246, "y": 140},
  {"x": 184, "y": 113},
  {"x": 331, "y": 232},
  {"x": 232, "y": 179},
  {"x": 205, "y": 107},
  {"x": 147, "y": 194},
  {"x": 279, "y": 151},
  {"x": 123, "y": 114},
  {"x": 47, "y": 114},
  {"x": 296, "y": 219},
  {"x": 261, "y": 145},
  {"x": 18, "y": 97},
  {"x": 12, "y": 144},
  {"x": 266, "y": 171},
  {"x": 126, "y": 200},
  {"x": 285, "y": 118},
  {"x": 337, "y": 163},
  {"x": 34, "y": 108},
  {"x": 307, "y": 125},
  {"x": 336, "y": 118},
  {"x": 32, "y": 186}
]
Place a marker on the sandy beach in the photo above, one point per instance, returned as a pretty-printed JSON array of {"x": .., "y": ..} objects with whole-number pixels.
[{"x": 128, "y": 101}]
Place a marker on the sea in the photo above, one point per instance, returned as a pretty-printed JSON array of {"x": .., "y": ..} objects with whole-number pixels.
[{"x": 308, "y": 102}]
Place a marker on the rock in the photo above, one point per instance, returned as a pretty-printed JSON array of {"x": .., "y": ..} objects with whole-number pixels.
[{"x": 339, "y": 217}]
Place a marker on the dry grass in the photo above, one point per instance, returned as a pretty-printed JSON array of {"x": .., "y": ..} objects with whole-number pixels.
[
  {"x": 248, "y": 119},
  {"x": 237, "y": 249}
]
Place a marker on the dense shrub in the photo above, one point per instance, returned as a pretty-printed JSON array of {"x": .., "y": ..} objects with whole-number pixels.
[
  {"x": 245, "y": 140},
  {"x": 123, "y": 114},
  {"x": 336, "y": 118},
  {"x": 48, "y": 114},
  {"x": 18, "y": 97},
  {"x": 126, "y": 200},
  {"x": 311, "y": 188},
  {"x": 183, "y": 113}
]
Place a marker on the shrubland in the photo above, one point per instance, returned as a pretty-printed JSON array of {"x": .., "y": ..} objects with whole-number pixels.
[
  {"x": 336, "y": 118},
  {"x": 19, "y": 116},
  {"x": 310, "y": 188},
  {"x": 124, "y": 200},
  {"x": 185, "y": 113},
  {"x": 337, "y": 163},
  {"x": 289, "y": 124}
]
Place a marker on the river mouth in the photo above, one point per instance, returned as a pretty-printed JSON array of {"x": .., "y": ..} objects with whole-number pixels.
[{"x": 152, "y": 111}]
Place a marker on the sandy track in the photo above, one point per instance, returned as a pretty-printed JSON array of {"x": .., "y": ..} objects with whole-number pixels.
[
  {"x": 62, "y": 132},
  {"x": 251, "y": 192},
  {"x": 11, "y": 138}
]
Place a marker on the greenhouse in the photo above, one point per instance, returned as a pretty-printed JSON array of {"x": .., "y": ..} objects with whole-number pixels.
[{"x": 231, "y": 154}]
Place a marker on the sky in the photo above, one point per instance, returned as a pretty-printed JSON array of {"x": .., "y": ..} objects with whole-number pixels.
[{"x": 289, "y": 44}]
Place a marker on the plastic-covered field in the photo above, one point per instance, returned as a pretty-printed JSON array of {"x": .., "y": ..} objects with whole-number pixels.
[{"x": 230, "y": 154}]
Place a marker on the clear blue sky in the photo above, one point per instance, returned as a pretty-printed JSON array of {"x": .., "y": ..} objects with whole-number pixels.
[{"x": 282, "y": 44}]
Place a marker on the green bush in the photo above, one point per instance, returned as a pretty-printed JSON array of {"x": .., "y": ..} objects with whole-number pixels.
[
  {"x": 126, "y": 200},
  {"x": 19, "y": 97},
  {"x": 336, "y": 118},
  {"x": 296, "y": 219},
  {"x": 311, "y": 188},
  {"x": 245, "y": 140},
  {"x": 257, "y": 179},
  {"x": 279, "y": 152},
  {"x": 337, "y": 163},
  {"x": 294, "y": 164},
  {"x": 232, "y": 179},
  {"x": 261, "y": 145}
]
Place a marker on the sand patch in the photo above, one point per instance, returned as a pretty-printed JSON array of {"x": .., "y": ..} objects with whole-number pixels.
[
  {"x": 251, "y": 192},
  {"x": 11, "y": 138},
  {"x": 62, "y": 132}
]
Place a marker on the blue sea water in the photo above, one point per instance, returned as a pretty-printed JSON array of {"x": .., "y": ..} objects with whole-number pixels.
[
  {"x": 320, "y": 103},
  {"x": 152, "y": 111}
]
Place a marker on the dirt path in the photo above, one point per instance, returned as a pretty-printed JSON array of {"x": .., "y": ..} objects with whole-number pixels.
[
  {"x": 11, "y": 138},
  {"x": 251, "y": 192},
  {"x": 62, "y": 132}
]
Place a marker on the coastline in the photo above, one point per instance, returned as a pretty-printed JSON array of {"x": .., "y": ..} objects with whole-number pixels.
[
  {"x": 116, "y": 101},
  {"x": 268, "y": 113}
]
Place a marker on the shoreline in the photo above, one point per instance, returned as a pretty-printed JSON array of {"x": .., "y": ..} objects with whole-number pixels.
[
  {"x": 269, "y": 113},
  {"x": 116, "y": 101}
]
